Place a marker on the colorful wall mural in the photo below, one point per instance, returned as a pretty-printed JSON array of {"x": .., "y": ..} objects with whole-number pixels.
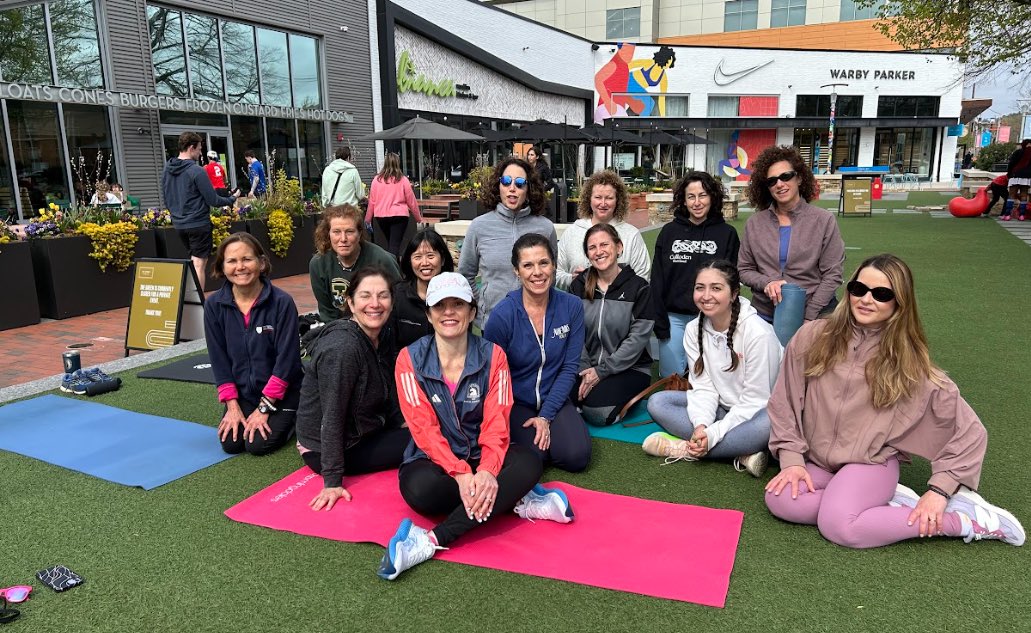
[{"x": 633, "y": 87}]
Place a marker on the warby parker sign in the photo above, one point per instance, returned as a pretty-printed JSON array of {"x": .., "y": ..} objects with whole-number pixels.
[
  {"x": 877, "y": 74},
  {"x": 102, "y": 97}
]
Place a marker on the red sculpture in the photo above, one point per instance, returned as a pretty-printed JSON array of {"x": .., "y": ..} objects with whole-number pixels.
[{"x": 961, "y": 207}]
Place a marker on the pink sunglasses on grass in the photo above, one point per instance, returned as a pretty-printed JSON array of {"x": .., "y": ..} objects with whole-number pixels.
[{"x": 17, "y": 593}]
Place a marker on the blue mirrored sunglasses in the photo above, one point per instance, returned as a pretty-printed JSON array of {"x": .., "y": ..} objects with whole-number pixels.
[{"x": 507, "y": 180}]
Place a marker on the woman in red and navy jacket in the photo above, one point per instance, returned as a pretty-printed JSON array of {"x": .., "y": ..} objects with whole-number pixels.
[
  {"x": 456, "y": 395},
  {"x": 251, "y": 331}
]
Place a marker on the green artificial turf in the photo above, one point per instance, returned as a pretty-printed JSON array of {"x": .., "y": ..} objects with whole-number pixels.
[{"x": 169, "y": 560}]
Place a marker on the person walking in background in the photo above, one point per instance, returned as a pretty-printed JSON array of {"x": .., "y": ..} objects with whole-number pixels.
[
  {"x": 540, "y": 165},
  {"x": 733, "y": 358},
  {"x": 189, "y": 197},
  {"x": 341, "y": 183},
  {"x": 697, "y": 234},
  {"x": 1000, "y": 191},
  {"x": 392, "y": 200},
  {"x": 516, "y": 198},
  {"x": 1019, "y": 172},
  {"x": 604, "y": 199},
  {"x": 255, "y": 175},
  {"x": 251, "y": 330},
  {"x": 216, "y": 174}
]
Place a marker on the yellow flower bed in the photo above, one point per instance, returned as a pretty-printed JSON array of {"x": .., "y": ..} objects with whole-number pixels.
[
  {"x": 113, "y": 244},
  {"x": 219, "y": 228},
  {"x": 280, "y": 231}
]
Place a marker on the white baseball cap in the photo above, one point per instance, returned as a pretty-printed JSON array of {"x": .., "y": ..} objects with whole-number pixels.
[
  {"x": 213, "y": 155},
  {"x": 447, "y": 285}
]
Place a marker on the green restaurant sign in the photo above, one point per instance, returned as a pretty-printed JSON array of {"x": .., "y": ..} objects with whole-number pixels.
[{"x": 409, "y": 81}]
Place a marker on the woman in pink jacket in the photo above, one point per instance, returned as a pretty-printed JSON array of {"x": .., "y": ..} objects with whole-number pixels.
[
  {"x": 391, "y": 199},
  {"x": 857, "y": 393}
]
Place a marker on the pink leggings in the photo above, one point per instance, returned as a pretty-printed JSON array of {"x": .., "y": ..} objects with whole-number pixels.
[{"x": 850, "y": 507}]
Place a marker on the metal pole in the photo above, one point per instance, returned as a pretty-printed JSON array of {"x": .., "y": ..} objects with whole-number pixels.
[{"x": 830, "y": 130}]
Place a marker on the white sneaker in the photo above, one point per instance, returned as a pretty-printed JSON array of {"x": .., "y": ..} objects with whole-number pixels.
[
  {"x": 550, "y": 504},
  {"x": 755, "y": 464},
  {"x": 983, "y": 521},
  {"x": 409, "y": 546},
  {"x": 662, "y": 444},
  {"x": 904, "y": 497}
]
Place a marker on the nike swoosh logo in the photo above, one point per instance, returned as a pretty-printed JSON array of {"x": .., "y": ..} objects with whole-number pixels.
[{"x": 723, "y": 78}]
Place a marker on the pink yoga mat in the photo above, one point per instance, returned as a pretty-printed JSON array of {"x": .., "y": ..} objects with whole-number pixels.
[{"x": 666, "y": 550}]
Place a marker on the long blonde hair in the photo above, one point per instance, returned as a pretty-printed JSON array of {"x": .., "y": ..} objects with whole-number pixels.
[{"x": 902, "y": 362}]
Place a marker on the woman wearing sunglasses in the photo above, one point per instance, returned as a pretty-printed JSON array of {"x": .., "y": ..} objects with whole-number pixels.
[
  {"x": 456, "y": 394},
  {"x": 541, "y": 330},
  {"x": 516, "y": 196},
  {"x": 604, "y": 199},
  {"x": 789, "y": 242},
  {"x": 697, "y": 234},
  {"x": 857, "y": 394}
]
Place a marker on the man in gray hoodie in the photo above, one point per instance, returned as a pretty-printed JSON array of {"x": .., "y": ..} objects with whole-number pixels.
[
  {"x": 341, "y": 183},
  {"x": 189, "y": 197}
]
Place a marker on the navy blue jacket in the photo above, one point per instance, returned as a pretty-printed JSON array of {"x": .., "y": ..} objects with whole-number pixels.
[
  {"x": 541, "y": 379},
  {"x": 248, "y": 356}
]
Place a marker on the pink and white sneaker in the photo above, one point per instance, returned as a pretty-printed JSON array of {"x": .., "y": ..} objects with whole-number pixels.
[{"x": 983, "y": 521}]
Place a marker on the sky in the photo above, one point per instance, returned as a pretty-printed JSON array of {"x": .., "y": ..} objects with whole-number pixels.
[{"x": 1004, "y": 88}]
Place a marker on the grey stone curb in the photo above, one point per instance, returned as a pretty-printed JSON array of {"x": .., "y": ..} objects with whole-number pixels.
[{"x": 36, "y": 387}]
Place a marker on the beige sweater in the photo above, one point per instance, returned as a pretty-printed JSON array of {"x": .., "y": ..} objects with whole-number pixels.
[{"x": 831, "y": 422}]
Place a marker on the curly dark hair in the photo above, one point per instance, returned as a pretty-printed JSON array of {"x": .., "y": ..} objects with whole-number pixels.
[
  {"x": 604, "y": 177},
  {"x": 759, "y": 194},
  {"x": 709, "y": 183},
  {"x": 491, "y": 196}
]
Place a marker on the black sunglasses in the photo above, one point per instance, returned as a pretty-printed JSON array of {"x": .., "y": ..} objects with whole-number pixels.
[
  {"x": 786, "y": 176},
  {"x": 507, "y": 180},
  {"x": 880, "y": 294}
]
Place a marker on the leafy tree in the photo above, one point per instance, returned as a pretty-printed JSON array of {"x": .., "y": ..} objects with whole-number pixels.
[
  {"x": 994, "y": 153},
  {"x": 983, "y": 33}
]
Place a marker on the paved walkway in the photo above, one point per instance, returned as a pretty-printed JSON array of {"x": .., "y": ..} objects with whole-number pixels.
[
  {"x": 34, "y": 352},
  {"x": 1021, "y": 229}
]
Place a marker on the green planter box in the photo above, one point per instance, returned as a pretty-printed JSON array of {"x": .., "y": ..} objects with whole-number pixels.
[
  {"x": 301, "y": 248},
  {"x": 70, "y": 284},
  {"x": 20, "y": 307}
]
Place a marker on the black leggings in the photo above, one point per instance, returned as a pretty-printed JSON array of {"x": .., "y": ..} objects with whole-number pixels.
[
  {"x": 281, "y": 422},
  {"x": 570, "y": 447},
  {"x": 432, "y": 492},
  {"x": 382, "y": 450},
  {"x": 999, "y": 192},
  {"x": 608, "y": 397},
  {"x": 394, "y": 232}
]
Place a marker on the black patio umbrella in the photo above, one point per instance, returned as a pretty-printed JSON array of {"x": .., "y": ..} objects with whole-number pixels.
[
  {"x": 419, "y": 129},
  {"x": 541, "y": 130},
  {"x": 489, "y": 135},
  {"x": 608, "y": 135}
]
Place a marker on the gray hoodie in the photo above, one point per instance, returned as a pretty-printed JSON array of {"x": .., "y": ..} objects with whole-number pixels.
[
  {"x": 487, "y": 253},
  {"x": 189, "y": 195},
  {"x": 344, "y": 177}
]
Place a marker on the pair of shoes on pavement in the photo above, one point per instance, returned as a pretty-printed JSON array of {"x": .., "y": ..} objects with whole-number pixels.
[
  {"x": 79, "y": 381},
  {"x": 674, "y": 449},
  {"x": 980, "y": 520},
  {"x": 1005, "y": 217},
  {"x": 412, "y": 544}
]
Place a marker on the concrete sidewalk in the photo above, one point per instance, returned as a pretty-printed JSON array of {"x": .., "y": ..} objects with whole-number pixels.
[{"x": 31, "y": 358}]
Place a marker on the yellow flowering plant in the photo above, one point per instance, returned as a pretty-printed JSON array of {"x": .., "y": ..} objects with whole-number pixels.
[
  {"x": 6, "y": 234},
  {"x": 113, "y": 244},
  {"x": 280, "y": 232},
  {"x": 220, "y": 227}
]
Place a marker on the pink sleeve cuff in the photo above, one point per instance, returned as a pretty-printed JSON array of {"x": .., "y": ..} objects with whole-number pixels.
[
  {"x": 276, "y": 388},
  {"x": 227, "y": 392}
]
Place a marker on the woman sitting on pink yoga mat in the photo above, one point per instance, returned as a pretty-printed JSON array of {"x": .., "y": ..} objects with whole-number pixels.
[
  {"x": 348, "y": 421},
  {"x": 858, "y": 393},
  {"x": 456, "y": 394}
]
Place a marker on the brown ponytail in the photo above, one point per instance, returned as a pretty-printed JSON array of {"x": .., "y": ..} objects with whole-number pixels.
[{"x": 735, "y": 310}]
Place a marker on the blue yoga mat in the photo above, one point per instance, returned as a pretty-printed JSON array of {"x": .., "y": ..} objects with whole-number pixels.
[
  {"x": 122, "y": 446},
  {"x": 632, "y": 435}
]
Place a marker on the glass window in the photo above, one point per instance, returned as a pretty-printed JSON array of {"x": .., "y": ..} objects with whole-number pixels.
[
  {"x": 820, "y": 105},
  {"x": 677, "y": 105},
  {"x": 621, "y": 23},
  {"x": 723, "y": 106},
  {"x": 894, "y": 106},
  {"x": 787, "y": 13},
  {"x": 38, "y": 154},
  {"x": 282, "y": 139},
  {"x": 23, "y": 40},
  {"x": 812, "y": 146},
  {"x": 740, "y": 15},
  {"x": 205, "y": 60},
  {"x": 166, "y": 48},
  {"x": 194, "y": 119},
  {"x": 76, "y": 48},
  {"x": 313, "y": 155},
  {"x": 8, "y": 207},
  {"x": 241, "y": 62},
  {"x": 304, "y": 71},
  {"x": 905, "y": 150},
  {"x": 849, "y": 10},
  {"x": 275, "y": 67},
  {"x": 247, "y": 135},
  {"x": 90, "y": 147}
]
